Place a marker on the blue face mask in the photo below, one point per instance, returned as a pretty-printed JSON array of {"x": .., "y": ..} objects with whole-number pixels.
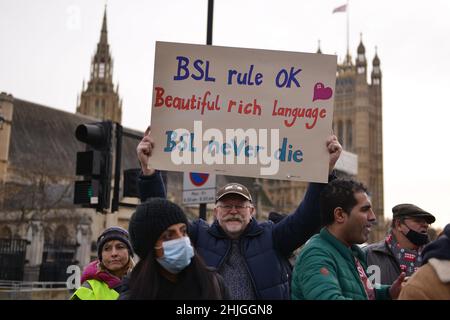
[{"x": 177, "y": 254}]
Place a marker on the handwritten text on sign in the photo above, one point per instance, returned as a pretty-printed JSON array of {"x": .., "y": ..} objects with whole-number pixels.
[{"x": 243, "y": 112}]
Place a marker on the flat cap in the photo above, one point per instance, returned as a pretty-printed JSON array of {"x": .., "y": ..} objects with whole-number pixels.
[{"x": 410, "y": 210}]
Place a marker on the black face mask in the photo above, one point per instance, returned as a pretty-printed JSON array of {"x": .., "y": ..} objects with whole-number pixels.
[{"x": 419, "y": 239}]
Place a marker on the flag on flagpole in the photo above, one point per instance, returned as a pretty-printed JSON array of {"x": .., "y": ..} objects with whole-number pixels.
[{"x": 342, "y": 8}]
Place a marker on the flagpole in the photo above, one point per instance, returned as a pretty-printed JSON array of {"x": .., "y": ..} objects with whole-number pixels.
[{"x": 348, "y": 30}]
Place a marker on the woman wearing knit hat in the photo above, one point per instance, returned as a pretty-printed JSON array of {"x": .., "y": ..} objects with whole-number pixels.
[
  {"x": 101, "y": 279},
  {"x": 168, "y": 267}
]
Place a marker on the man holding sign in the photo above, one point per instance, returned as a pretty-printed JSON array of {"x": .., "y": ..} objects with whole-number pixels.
[
  {"x": 243, "y": 112},
  {"x": 251, "y": 256}
]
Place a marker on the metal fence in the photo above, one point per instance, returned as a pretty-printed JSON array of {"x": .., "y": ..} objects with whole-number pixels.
[
  {"x": 12, "y": 258},
  {"x": 55, "y": 260},
  {"x": 33, "y": 290},
  {"x": 29, "y": 285}
]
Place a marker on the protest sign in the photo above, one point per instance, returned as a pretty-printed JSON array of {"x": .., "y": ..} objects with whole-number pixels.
[{"x": 244, "y": 112}]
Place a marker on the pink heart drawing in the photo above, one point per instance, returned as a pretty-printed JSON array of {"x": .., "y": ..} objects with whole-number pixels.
[{"x": 321, "y": 92}]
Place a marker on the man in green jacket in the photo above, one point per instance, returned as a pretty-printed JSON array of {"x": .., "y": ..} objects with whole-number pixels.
[{"x": 331, "y": 266}]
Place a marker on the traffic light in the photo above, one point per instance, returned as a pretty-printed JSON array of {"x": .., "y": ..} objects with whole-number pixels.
[
  {"x": 94, "y": 165},
  {"x": 130, "y": 183}
]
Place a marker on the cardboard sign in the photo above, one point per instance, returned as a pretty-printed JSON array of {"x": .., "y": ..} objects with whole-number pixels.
[{"x": 243, "y": 112}]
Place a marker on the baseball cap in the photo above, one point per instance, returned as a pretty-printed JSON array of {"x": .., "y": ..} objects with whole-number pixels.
[{"x": 233, "y": 188}]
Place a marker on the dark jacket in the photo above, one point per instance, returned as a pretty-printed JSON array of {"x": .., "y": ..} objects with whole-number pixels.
[
  {"x": 439, "y": 248},
  {"x": 266, "y": 246},
  {"x": 380, "y": 255}
]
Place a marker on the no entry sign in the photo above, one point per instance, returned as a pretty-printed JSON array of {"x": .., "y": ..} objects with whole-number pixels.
[{"x": 199, "y": 188}]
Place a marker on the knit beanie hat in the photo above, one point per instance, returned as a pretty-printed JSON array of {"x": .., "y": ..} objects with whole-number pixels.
[
  {"x": 113, "y": 233},
  {"x": 150, "y": 220}
]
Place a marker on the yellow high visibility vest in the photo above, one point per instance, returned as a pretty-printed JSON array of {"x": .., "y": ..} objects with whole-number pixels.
[{"x": 98, "y": 290}]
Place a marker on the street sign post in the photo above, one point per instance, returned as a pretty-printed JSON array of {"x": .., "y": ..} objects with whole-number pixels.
[{"x": 199, "y": 188}]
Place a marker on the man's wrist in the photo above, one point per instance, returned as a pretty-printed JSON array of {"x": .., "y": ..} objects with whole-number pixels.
[
  {"x": 148, "y": 176},
  {"x": 147, "y": 172}
]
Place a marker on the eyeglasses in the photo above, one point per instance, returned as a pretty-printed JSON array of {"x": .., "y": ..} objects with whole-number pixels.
[{"x": 230, "y": 207}]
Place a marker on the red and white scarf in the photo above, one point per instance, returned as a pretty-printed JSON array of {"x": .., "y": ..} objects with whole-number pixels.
[{"x": 409, "y": 260}]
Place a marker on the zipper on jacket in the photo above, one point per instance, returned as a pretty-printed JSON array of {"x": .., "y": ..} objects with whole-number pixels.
[
  {"x": 221, "y": 262},
  {"x": 241, "y": 249}
]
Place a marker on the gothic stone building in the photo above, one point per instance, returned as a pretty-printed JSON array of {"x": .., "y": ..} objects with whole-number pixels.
[
  {"x": 37, "y": 172},
  {"x": 99, "y": 100}
]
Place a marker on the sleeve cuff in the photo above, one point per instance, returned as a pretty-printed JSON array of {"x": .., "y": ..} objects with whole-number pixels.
[
  {"x": 332, "y": 176},
  {"x": 149, "y": 177}
]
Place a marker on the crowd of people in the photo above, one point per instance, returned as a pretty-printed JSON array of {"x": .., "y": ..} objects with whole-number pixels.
[{"x": 240, "y": 258}]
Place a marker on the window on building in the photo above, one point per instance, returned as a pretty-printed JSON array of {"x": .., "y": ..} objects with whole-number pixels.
[
  {"x": 101, "y": 70},
  {"x": 97, "y": 107},
  {"x": 349, "y": 89},
  {"x": 349, "y": 135},
  {"x": 340, "y": 132},
  {"x": 48, "y": 234},
  {"x": 61, "y": 234}
]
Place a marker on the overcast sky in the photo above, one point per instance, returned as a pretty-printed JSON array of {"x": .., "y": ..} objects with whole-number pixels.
[{"x": 47, "y": 45}]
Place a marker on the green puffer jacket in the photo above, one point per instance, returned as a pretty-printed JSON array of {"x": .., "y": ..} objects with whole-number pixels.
[{"x": 326, "y": 270}]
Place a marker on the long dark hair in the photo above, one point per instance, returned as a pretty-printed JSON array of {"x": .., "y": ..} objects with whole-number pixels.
[{"x": 145, "y": 283}]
